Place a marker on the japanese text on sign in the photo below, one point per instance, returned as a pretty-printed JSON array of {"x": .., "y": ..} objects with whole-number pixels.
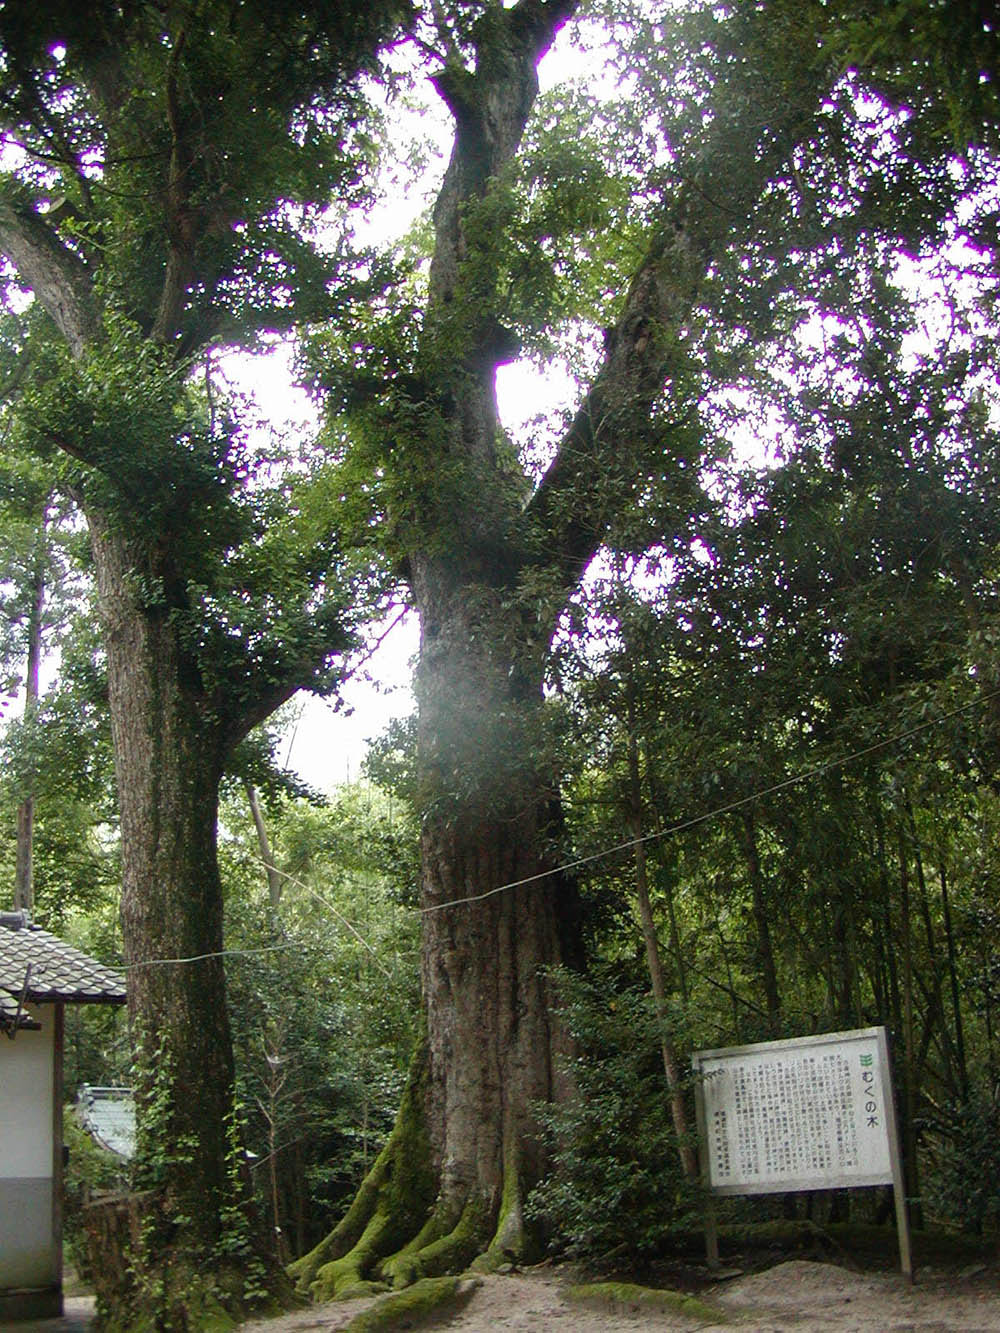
[{"x": 805, "y": 1114}]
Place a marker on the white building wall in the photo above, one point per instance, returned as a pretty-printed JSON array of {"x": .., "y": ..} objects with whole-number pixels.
[{"x": 29, "y": 1248}]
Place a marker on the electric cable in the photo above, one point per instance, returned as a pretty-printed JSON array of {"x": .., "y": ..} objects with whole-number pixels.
[
  {"x": 681, "y": 826},
  {"x": 726, "y": 809}
]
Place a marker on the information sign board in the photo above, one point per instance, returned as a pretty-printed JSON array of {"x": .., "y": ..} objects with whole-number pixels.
[
  {"x": 804, "y": 1114},
  {"x": 796, "y": 1115}
]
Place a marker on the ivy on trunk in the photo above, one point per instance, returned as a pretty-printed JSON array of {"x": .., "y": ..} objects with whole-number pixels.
[{"x": 492, "y": 559}]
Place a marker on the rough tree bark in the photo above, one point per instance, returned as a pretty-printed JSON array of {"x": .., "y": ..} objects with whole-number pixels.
[
  {"x": 450, "y": 1186},
  {"x": 202, "y": 1245},
  {"x": 450, "y": 1183},
  {"x": 488, "y": 823}
]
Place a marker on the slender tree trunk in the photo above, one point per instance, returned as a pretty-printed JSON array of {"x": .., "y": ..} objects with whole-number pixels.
[
  {"x": 671, "y": 1063},
  {"x": 895, "y": 1014},
  {"x": 843, "y": 923},
  {"x": 270, "y": 1107},
  {"x": 991, "y": 1051},
  {"x": 909, "y": 1044},
  {"x": 843, "y": 966},
  {"x": 730, "y": 987},
  {"x": 880, "y": 942},
  {"x": 24, "y": 891},
  {"x": 880, "y": 971},
  {"x": 264, "y": 846},
  {"x": 666, "y": 882},
  {"x": 765, "y": 951},
  {"x": 301, "y": 1199},
  {"x": 956, "y": 1002},
  {"x": 933, "y": 987}
]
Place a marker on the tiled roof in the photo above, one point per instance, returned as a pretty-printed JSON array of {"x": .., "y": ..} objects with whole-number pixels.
[
  {"x": 41, "y": 967},
  {"x": 109, "y": 1115},
  {"x": 11, "y": 1016}
]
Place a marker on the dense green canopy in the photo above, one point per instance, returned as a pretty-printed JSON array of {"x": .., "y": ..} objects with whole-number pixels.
[{"x": 744, "y": 584}]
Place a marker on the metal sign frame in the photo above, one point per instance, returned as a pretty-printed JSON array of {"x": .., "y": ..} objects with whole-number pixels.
[{"x": 807, "y": 1113}]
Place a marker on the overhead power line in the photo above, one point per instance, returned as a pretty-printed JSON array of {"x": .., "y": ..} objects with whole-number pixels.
[
  {"x": 716, "y": 811},
  {"x": 271, "y": 948},
  {"x": 680, "y": 827},
  {"x": 203, "y": 957}
]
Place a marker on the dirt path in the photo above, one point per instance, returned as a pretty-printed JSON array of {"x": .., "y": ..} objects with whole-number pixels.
[
  {"x": 797, "y": 1295},
  {"x": 793, "y": 1297}
]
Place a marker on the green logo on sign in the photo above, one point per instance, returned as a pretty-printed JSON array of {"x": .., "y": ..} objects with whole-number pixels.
[{"x": 866, "y": 1061}]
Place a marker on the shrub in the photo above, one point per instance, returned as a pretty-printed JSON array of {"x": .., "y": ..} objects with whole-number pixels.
[
  {"x": 965, "y": 1186},
  {"x": 90, "y": 1170},
  {"x": 615, "y": 1181}
]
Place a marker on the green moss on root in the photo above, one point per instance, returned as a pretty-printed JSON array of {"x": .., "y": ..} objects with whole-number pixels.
[
  {"x": 452, "y": 1252},
  {"x": 390, "y": 1206},
  {"x": 404, "y": 1267},
  {"x": 440, "y": 1249},
  {"x": 349, "y": 1270},
  {"x": 359, "y": 1290},
  {"x": 348, "y": 1230},
  {"x": 428, "y": 1296},
  {"x": 510, "y": 1243},
  {"x": 626, "y": 1294}
]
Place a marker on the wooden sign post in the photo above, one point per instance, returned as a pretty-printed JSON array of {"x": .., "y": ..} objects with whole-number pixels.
[{"x": 804, "y": 1114}]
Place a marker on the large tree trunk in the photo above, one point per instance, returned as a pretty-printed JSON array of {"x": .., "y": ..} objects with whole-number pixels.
[
  {"x": 494, "y": 1041},
  {"x": 201, "y": 1245},
  {"x": 493, "y": 1035},
  {"x": 495, "y": 924},
  {"x": 492, "y": 559}
]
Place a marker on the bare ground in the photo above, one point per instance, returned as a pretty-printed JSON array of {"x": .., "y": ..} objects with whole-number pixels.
[
  {"x": 798, "y": 1295},
  {"x": 793, "y": 1297}
]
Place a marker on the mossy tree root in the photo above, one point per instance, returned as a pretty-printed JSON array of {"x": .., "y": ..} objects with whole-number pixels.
[
  {"x": 629, "y": 1297},
  {"x": 511, "y": 1242},
  {"x": 483, "y": 1234},
  {"x": 446, "y": 1244},
  {"x": 429, "y": 1296},
  {"x": 395, "y": 1234},
  {"x": 391, "y": 1205}
]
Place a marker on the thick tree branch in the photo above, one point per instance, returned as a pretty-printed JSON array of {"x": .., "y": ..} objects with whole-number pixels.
[
  {"x": 180, "y": 229},
  {"x": 491, "y": 105},
  {"x": 464, "y": 338},
  {"x": 602, "y": 455},
  {"x": 56, "y": 275},
  {"x": 597, "y": 464}
]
